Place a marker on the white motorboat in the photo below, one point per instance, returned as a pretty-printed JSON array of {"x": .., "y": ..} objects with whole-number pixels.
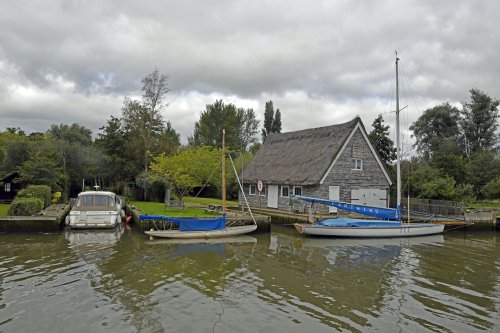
[{"x": 96, "y": 210}]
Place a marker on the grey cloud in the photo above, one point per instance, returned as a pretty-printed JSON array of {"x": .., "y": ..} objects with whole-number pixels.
[{"x": 334, "y": 53}]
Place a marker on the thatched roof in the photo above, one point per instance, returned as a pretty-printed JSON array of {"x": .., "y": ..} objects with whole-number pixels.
[{"x": 298, "y": 158}]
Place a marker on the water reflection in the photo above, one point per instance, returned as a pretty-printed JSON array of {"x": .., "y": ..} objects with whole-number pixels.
[{"x": 280, "y": 282}]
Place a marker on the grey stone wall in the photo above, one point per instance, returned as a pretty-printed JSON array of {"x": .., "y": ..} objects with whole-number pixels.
[{"x": 341, "y": 175}]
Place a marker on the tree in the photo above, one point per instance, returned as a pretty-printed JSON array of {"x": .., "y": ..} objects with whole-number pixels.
[
  {"x": 142, "y": 126},
  {"x": 277, "y": 122},
  {"x": 240, "y": 125},
  {"x": 479, "y": 121},
  {"x": 169, "y": 140},
  {"x": 142, "y": 119},
  {"x": 379, "y": 137},
  {"x": 43, "y": 169},
  {"x": 484, "y": 166},
  {"x": 247, "y": 128},
  {"x": 434, "y": 126},
  {"x": 191, "y": 167},
  {"x": 492, "y": 189},
  {"x": 74, "y": 134},
  {"x": 155, "y": 89},
  {"x": 112, "y": 141},
  {"x": 268, "y": 120}
]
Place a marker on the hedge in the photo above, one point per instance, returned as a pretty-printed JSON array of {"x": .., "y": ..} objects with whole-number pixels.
[
  {"x": 37, "y": 191},
  {"x": 25, "y": 206}
]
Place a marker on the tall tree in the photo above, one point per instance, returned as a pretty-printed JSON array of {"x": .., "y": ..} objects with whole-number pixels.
[
  {"x": 248, "y": 127},
  {"x": 142, "y": 119},
  {"x": 155, "y": 88},
  {"x": 479, "y": 121},
  {"x": 276, "y": 128},
  {"x": 434, "y": 127},
  {"x": 240, "y": 125},
  {"x": 112, "y": 141},
  {"x": 379, "y": 138},
  {"x": 268, "y": 120},
  {"x": 144, "y": 125}
]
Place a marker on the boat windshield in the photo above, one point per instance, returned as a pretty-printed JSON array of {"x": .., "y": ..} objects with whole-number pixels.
[{"x": 95, "y": 200}]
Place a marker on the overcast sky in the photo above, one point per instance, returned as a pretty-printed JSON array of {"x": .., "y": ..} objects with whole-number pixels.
[{"x": 320, "y": 62}]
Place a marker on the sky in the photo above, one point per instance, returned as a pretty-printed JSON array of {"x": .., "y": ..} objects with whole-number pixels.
[{"x": 320, "y": 62}]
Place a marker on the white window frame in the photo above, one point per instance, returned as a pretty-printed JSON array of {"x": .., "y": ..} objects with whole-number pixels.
[
  {"x": 7, "y": 187},
  {"x": 296, "y": 187},
  {"x": 287, "y": 191},
  {"x": 357, "y": 164},
  {"x": 254, "y": 187}
]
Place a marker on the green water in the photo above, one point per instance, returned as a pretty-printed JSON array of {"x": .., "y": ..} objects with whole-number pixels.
[{"x": 269, "y": 282}]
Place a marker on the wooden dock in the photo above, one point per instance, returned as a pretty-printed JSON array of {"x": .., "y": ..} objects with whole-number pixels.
[{"x": 49, "y": 220}]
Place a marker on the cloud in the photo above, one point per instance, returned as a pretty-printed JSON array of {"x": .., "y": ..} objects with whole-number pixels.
[{"x": 320, "y": 63}]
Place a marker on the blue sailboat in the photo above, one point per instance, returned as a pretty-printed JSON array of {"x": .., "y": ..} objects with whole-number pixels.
[{"x": 388, "y": 222}]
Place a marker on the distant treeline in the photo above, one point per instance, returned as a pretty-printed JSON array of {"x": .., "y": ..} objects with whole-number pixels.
[
  {"x": 457, "y": 149},
  {"x": 125, "y": 147}
]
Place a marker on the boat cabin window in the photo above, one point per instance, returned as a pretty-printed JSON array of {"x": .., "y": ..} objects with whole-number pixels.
[
  {"x": 252, "y": 189},
  {"x": 95, "y": 200},
  {"x": 297, "y": 190},
  {"x": 284, "y": 191},
  {"x": 357, "y": 164}
]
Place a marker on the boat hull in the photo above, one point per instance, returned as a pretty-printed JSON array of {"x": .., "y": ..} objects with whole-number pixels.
[
  {"x": 230, "y": 231},
  {"x": 405, "y": 230}
]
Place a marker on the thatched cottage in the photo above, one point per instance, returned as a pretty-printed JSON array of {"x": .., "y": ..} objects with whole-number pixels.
[{"x": 333, "y": 162}]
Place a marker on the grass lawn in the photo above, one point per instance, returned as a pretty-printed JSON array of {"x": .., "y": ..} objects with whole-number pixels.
[
  {"x": 3, "y": 209},
  {"x": 484, "y": 204},
  {"x": 209, "y": 201},
  {"x": 158, "y": 208}
]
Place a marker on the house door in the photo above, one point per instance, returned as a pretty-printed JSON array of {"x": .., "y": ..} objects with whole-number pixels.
[
  {"x": 272, "y": 196},
  {"x": 333, "y": 194},
  {"x": 373, "y": 197}
]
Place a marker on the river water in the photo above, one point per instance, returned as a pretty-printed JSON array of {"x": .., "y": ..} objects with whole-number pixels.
[{"x": 120, "y": 281}]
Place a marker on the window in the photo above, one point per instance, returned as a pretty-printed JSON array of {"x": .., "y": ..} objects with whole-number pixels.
[
  {"x": 252, "y": 189},
  {"x": 284, "y": 191},
  {"x": 7, "y": 187},
  {"x": 263, "y": 190},
  {"x": 86, "y": 200},
  {"x": 297, "y": 190},
  {"x": 357, "y": 164}
]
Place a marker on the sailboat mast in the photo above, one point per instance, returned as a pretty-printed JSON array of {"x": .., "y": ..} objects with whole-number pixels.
[
  {"x": 223, "y": 172},
  {"x": 398, "y": 144}
]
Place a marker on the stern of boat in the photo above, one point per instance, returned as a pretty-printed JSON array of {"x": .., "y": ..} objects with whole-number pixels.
[{"x": 299, "y": 228}]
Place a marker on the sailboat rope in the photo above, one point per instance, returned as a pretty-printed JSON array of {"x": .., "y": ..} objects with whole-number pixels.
[
  {"x": 203, "y": 187},
  {"x": 241, "y": 187}
]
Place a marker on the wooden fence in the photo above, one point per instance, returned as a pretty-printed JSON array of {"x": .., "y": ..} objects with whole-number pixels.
[{"x": 429, "y": 206}]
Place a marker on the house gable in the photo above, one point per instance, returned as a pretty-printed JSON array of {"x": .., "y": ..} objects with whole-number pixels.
[{"x": 348, "y": 143}]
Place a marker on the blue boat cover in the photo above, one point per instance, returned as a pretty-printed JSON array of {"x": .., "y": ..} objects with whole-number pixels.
[
  {"x": 186, "y": 224},
  {"x": 350, "y": 222}
]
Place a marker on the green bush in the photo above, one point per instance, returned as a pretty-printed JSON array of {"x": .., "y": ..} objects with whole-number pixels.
[
  {"x": 25, "y": 206},
  {"x": 492, "y": 189},
  {"x": 37, "y": 191}
]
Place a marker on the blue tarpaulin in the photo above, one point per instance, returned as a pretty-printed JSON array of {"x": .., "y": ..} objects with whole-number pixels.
[
  {"x": 217, "y": 223},
  {"x": 350, "y": 222}
]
